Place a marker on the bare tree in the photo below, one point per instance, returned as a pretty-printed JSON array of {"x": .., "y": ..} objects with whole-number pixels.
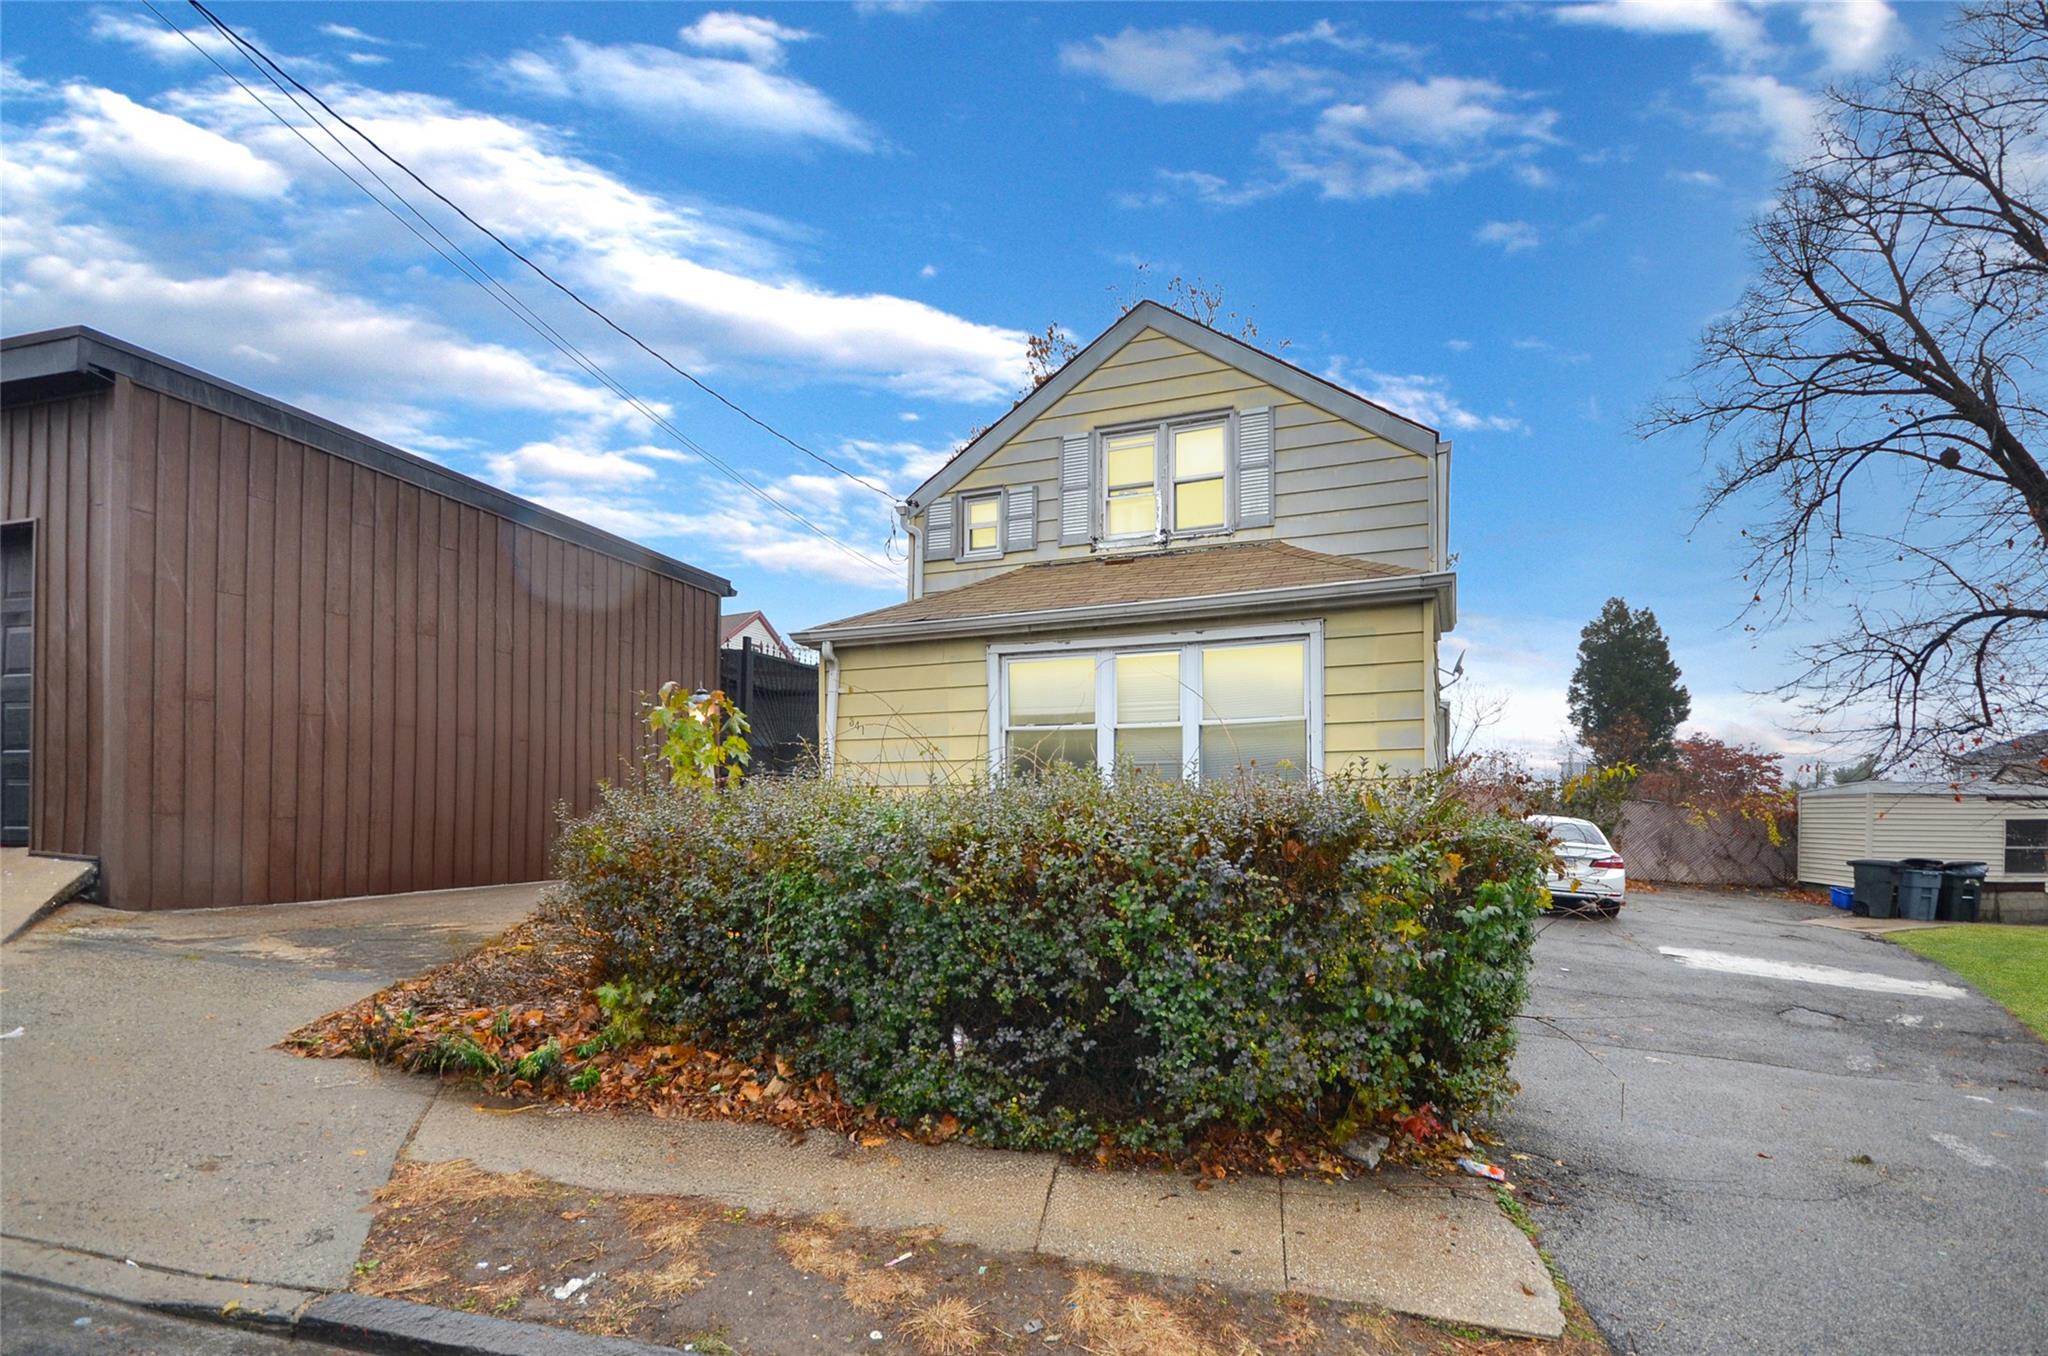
[{"x": 1879, "y": 391}]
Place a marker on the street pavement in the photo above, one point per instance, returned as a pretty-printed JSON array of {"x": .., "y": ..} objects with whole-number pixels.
[
  {"x": 38, "y": 1321},
  {"x": 1745, "y": 1133}
]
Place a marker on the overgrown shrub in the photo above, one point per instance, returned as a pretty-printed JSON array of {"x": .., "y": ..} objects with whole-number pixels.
[{"x": 1056, "y": 960}]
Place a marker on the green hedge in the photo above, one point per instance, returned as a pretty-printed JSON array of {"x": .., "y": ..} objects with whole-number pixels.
[{"x": 1056, "y": 960}]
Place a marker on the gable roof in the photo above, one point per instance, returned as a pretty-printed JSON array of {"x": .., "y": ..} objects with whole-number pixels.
[
  {"x": 75, "y": 359},
  {"x": 1403, "y": 432},
  {"x": 731, "y": 624},
  {"x": 1183, "y": 584}
]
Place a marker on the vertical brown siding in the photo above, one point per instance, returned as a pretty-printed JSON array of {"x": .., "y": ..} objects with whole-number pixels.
[
  {"x": 55, "y": 474},
  {"x": 329, "y": 681}
]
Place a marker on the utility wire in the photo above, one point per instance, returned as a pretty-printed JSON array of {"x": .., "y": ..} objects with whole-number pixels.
[
  {"x": 560, "y": 286},
  {"x": 477, "y": 273}
]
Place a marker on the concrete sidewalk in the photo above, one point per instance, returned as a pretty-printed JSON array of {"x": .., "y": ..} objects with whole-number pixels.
[
  {"x": 1437, "y": 1249},
  {"x": 149, "y": 1120}
]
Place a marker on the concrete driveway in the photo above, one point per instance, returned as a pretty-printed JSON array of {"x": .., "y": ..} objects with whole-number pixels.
[
  {"x": 147, "y": 1119},
  {"x": 1713, "y": 1071}
]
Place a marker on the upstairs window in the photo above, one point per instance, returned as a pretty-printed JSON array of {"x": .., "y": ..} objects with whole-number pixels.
[
  {"x": 1198, "y": 476},
  {"x": 1167, "y": 477},
  {"x": 1131, "y": 476},
  {"x": 982, "y": 526}
]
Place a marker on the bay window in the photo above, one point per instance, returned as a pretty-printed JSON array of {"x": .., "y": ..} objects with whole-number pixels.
[{"x": 1212, "y": 706}]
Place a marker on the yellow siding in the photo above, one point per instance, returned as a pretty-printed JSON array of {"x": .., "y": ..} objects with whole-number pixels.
[
  {"x": 1336, "y": 488},
  {"x": 916, "y": 713},
  {"x": 913, "y": 714}
]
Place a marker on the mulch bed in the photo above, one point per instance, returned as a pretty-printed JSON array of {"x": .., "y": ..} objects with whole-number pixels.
[
  {"x": 518, "y": 1015},
  {"x": 720, "y": 1282}
]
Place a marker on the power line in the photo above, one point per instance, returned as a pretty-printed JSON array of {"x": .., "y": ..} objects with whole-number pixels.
[
  {"x": 560, "y": 286},
  {"x": 482, "y": 277}
]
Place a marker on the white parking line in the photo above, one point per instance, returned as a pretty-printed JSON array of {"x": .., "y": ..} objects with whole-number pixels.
[
  {"x": 1725, "y": 963},
  {"x": 1966, "y": 1151}
]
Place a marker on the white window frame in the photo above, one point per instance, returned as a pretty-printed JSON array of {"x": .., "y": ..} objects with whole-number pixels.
[
  {"x": 1163, "y": 483},
  {"x": 1190, "y": 645},
  {"x": 965, "y": 528}
]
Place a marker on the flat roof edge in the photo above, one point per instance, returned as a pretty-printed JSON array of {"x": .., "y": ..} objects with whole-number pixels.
[{"x": 36, "y": 366}]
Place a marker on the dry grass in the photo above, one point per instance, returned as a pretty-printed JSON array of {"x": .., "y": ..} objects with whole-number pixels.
[
  {"x": 678, "y": 1277},
  {"x": 426, "y": 1186},
  {"x": 946, "y": 1327},
  {"x": 872, "y": 1290},
  {"x": 1117, "y": 1322},
  {"x": 611, "y": 1318},
  {"x": 493, "y": 1294},
  {"x": 1378, "y": 1327},
  {"x": 406, "y": 1269},
  {"x": 817, "y": 1253}
]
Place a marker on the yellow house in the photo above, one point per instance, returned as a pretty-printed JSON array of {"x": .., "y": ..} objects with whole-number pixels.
[{"x": 1179, "y": 553}]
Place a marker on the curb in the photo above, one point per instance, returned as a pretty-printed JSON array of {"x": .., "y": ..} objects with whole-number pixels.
[
  {"x": 362, "y": 1322},
  {"x": 370, "y": 1323}
]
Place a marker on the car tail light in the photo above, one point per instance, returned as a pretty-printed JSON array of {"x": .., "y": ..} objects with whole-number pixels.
[{"x": 1610, "y": 863}]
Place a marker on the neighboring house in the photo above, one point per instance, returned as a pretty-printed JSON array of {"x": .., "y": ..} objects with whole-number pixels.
[
  {"x": 736, "y": 628},
  {"x": 2002, "y": 824},
  {"x": 262, "y": 657},
  {"x": 2012, "y": 758},
  {"x": 1179, "y": 552}
]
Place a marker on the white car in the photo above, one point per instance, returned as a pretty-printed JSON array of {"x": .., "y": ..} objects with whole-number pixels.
[{"x": 1589, "y": 874}]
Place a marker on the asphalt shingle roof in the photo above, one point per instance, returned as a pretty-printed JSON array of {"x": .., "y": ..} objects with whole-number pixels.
[{"x": 1145, "y": 577}]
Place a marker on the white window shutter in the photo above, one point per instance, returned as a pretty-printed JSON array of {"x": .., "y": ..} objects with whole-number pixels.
[
  {"x": 938, "y": 530},
  {"x": 1077, "y": 495},
  {"x": 1020, "y": 518},
  {"x": 1255, "y": 468}
]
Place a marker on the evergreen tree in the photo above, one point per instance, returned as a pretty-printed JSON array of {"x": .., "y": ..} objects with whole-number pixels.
[{"x": 1626, "y": 700}]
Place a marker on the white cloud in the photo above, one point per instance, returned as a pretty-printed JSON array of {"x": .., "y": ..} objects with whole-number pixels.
[
  {"x": 1457, "y": 345},
  {"x": 1427, "y": 399},
  {"x": 928, "y": 271},
  {"x": 1698, "y": 178},
  {"x": 758, "y": 40},
  {"x": 1852, "y": 35},
  {"x": 155, "y": 41},
  {"x": 349, "y": 34},
  {"x": 568, "y": 464},
  {"x": 694, "y": 281},
  {"x": 99, "y": 126},
  {"x": 365, "y": 58},
  {"x": 909, "y": 416},
  {"x": 1512, "y": 236},
  {"x": 1448, "y": 110},
  {"x": 1750, "y": 105},
  {"x": 673, "y": 87},
  {"x": 1736, "y": 28},
  {"x": 1188, "y": 64}
]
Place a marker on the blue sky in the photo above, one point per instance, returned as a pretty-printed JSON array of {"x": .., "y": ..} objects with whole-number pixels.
[{"x": 1509, "y": 221}]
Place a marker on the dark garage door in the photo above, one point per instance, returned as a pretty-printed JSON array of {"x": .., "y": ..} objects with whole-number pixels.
[{"x": 17, "y": 676}]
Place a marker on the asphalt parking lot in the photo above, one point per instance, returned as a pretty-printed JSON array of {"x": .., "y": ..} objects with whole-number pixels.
[{"x": 1747, "y": 1133}]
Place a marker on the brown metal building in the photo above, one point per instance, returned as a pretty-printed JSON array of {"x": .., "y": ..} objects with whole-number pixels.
[{"x": 252, "y": 656}]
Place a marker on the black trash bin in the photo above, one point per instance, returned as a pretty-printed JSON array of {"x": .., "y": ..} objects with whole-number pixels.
[
  {"x": 1962, "y": 888},
  {"x": 1877, "y": 887},
  {"x": 1919, "y": 891}
]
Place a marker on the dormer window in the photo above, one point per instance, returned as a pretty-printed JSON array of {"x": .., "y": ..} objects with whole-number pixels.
[
  {"x": 1166, "y": 478},
  {"x": 983, "y": 526}
]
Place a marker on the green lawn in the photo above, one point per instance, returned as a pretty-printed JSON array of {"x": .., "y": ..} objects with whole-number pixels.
[{"x": 2008, "y": 963}]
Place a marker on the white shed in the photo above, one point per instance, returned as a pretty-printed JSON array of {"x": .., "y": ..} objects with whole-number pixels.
[{"x": 2004, "y": 826}]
